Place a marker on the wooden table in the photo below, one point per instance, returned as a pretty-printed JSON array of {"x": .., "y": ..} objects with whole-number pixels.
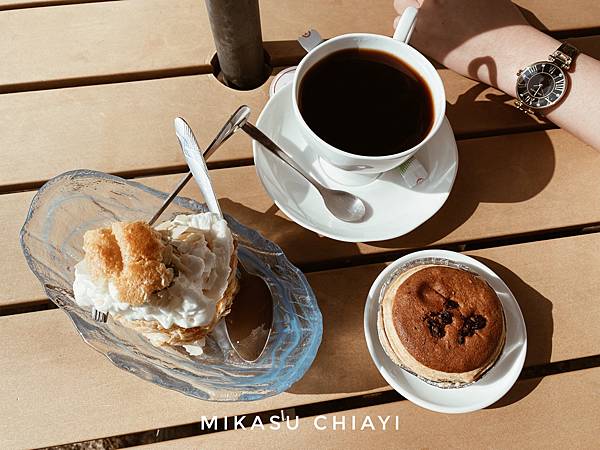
[{"x": 96, "y": 84}]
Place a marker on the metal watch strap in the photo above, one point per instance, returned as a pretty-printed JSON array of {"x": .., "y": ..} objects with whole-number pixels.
[
  {"x": 564, "y": 56},
  {"x": 526, "y": 109}
]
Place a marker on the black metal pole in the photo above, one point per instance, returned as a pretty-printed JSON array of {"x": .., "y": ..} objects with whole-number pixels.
[{"x": 236, "y": 31}]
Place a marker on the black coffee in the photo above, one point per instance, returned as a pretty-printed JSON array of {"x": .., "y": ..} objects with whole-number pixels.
[{"x": 366, "y": 102}]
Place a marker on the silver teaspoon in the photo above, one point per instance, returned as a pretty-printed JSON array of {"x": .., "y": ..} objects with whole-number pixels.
[{"x": 341, "y": 204}]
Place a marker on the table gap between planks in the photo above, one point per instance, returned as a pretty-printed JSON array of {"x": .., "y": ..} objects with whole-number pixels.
[{"x": 90, "y": 87}]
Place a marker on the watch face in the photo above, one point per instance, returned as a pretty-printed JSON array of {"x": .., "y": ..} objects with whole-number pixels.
[{"x": 541, "y": 84}]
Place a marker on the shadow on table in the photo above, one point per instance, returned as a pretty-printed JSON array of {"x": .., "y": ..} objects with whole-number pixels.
[
  {"x": 343, "y": 363},
  {"x": 498, "y": 171},
  {"x": 300, "y": 245},
  {"x": 537, "y": 312},
  {"x": 533, "y": 19}
]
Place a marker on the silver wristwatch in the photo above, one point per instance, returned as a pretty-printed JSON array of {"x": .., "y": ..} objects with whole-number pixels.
[{"x": 544, "y": 83}]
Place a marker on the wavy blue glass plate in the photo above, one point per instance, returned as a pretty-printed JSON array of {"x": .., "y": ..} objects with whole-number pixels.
[{"x": 52, "y": 238}]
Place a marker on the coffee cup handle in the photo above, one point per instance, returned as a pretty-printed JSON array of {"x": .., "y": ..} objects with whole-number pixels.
[{"x": 406, "y": 24}]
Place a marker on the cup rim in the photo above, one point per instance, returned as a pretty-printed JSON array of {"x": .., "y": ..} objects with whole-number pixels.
[{"x": 438, "y": 119}]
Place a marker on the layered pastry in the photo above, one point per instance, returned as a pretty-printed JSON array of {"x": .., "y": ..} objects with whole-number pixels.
[
  {"x": 172, "y": 283},
  {"x": 443, "y": 324}
]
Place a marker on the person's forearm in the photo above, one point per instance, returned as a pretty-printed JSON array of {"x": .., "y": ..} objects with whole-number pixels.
[
  {"x": 516, "y": 47},
  {"x": 491, "y": 40}
]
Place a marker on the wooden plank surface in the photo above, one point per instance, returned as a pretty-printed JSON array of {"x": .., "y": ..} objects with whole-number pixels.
[
  {"x": 116, "y": 38},
  {"x": 556, "y": 15},
  {"x": 122, "y": 128},
  {"x": 63, "y": 391},
  {"x": 98, "y": 39},
  {"x": 506, "y": 185},
  {"x": 559, "y": 412},
  {"x": 127, "y": 128},
  {"x": 103, "y": 40}
]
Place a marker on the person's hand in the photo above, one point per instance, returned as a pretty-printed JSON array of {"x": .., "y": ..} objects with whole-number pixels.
[{"x": 477, "y": 38}]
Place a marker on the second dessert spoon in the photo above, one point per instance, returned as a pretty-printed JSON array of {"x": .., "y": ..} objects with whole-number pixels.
[{"x": 248, "y": 325}]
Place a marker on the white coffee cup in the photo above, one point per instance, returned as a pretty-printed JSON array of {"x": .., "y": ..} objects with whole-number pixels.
[{"x": 348, "y": 168}]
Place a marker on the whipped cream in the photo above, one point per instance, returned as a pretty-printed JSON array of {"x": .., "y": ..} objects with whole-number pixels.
[{"x": 205, "y": 246}]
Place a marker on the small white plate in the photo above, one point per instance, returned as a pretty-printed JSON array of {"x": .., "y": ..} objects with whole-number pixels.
[
  {"x": 492, "y": 386},
  {"x": 393, "y": 209}
]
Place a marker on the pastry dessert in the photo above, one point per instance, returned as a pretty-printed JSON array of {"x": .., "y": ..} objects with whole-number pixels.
[
  {"x": 443, "y": 324},
  {"x": 172, "y": 283}
]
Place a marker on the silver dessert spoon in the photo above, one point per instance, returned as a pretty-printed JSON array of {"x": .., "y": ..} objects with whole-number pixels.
[
  {"x": 252, "y": 309},
  {"x": 230, "y": 127},
  {"x": 343, "y": 205}
]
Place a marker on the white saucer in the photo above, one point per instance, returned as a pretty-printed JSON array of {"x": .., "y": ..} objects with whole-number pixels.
[
  {"x": 492, "y": 386},
  {"x": 393, "y": 209}
]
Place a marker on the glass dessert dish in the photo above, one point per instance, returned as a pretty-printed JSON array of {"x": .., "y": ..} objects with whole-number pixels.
[{"x": 52, "y": 237}]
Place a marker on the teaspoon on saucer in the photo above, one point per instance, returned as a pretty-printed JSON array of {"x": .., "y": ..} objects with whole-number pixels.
[{"x": 343, "y": 205}]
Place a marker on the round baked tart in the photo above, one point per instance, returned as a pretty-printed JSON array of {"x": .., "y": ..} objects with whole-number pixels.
[{"x": 441, "y": 322}]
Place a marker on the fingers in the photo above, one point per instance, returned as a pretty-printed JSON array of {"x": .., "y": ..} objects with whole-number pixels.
[{"x": 401, "y": 5}]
